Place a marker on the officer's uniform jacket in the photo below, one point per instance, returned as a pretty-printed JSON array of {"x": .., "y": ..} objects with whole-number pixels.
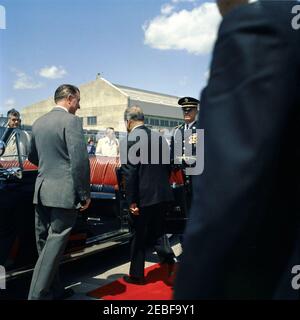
[{"x": 178, "y": 139}]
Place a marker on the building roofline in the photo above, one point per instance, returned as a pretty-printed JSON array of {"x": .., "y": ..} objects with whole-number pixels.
[
  {"x": 104, "y": 80},
  {"x": 118, "y": 87},
  {"x": 114, "y": 86},
  {"x": 146, "y": 91}
]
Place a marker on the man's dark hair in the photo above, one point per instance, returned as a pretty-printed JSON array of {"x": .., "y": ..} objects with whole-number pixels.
[
  {"x": 13, "y": 112},
  {"x": 64, "y": 91},
  {"x": 134, "y": 113},
  {"x": 110, "y": 128}
]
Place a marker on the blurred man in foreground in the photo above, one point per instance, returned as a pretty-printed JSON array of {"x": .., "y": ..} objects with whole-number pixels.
[{"x": 244, "y": 241}]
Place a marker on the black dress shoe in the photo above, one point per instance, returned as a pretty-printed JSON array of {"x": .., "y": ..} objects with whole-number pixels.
[
  {"x": 171, "y": 269},
  {"x": 169, "y": 260},
  {"x": 134, "y": 280},
  {"x": 67, "y": 293},
  {"x": 170, "y": 264}
]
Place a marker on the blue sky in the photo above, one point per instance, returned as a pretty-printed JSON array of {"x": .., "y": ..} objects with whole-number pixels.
[{"x": 156, "y": 45}]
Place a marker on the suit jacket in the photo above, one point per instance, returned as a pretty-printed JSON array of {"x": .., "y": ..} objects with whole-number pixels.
[
  {"x": 145, "y": 184},
  {"x": 241, "y": 240},
  {"x": 59, "y": 150}
]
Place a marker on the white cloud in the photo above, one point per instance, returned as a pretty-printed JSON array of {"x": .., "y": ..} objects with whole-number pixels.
[
  {"x": 177, "y": 1},
  {"x": 167, "y": 9},
  {"x": 52, "y": 72},
  {"x": 194, "y": 31},
  {"x": 9, "y": 103},
  {"x": 25, "y": 82}
]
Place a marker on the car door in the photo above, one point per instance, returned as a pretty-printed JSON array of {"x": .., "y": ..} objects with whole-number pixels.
[
  {"x": 105, "y": 216},
  {"x": 17, "y": 236}
]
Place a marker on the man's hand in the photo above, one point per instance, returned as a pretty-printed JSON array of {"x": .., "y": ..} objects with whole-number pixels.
[
  {"x": 134, "y": 209},
  {"x": 86, "y": 205}
]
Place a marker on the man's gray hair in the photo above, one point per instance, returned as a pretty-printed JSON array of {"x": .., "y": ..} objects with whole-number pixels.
[
  {"x": 14, "y": 113},
  {"x": 63, "y": 91},
  {"x": 134, "y": 113}
]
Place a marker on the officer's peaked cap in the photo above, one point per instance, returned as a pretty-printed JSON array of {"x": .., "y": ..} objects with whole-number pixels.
[{"x": 188, "y": 102}]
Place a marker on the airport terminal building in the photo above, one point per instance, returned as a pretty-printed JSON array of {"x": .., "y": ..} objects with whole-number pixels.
[{"x": 102, "y": 105}]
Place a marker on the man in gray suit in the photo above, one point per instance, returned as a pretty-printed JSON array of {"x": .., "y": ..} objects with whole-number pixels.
[{"x": 62, "y": 186}]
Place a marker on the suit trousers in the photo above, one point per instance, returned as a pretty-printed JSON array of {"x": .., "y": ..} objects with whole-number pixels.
[
  {"x": 53, "y": 228},
  {"x": 148, "y": 233}
]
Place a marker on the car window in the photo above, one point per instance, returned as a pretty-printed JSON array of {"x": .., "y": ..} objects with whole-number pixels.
[
  {"x": 11, "y": 150},
  {"x": 11, "y": 156}
]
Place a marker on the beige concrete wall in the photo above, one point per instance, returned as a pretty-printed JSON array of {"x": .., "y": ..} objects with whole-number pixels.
[
  {"x": 31, "y": 113},
  {"x": 101, "y": 99},
  {"x": 159, "y": 110}
]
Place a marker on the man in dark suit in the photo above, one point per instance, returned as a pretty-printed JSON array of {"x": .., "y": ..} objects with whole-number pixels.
[
  {"x": 147, "y": 191},
  {"x": 62, "y": 186},
  {"x": 244, "y": 240}
]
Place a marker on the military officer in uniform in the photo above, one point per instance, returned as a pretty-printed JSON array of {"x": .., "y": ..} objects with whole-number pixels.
[{"x": 183, "y": 141}]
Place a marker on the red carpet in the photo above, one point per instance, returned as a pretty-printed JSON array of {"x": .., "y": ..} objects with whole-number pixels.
[{"x": 158, "y": 287}]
